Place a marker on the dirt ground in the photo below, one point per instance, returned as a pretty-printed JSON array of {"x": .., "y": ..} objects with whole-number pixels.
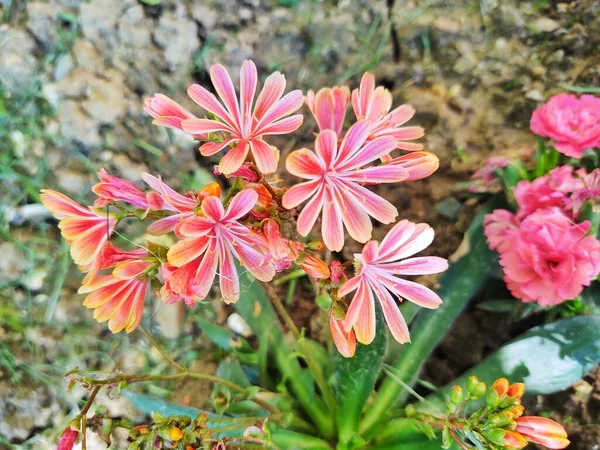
[{"x": 70, "y": 102}]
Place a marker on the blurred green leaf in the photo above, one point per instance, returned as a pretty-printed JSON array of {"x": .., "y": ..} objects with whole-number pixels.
[
  {"x": 149, "y": 405},
  {"x": 580, "y": 89},
  {"x": 498, "y": 306},
  {"x": 405, "y": 434},
  {"x": 355, "y": 378}
]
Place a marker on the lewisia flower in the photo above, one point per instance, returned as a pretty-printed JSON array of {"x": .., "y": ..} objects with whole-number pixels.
[
  {"x": 86, "y": 230},
  {"x": 119, "y": 297},
  {"x": 345, "y": 341},
  {"x": 242, "y": 125},
  {"x": 550, "y": 259},
  {"x": 419, "y": 165},
  {"x": 572, "y": 123},
  {"x": 377, "y": 278},
  {"x": 374, "y": 104},
  {"x": 114, "y": 189},
  {"x": 168, "y": 113},
  {"x": 543, "y": 431},
  {"x": 334, "y": 187},
  {"x": 329, "y": 106},
  {"x": 211, "y": 241}
]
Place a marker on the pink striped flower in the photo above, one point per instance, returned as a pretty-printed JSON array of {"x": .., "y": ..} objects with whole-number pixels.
[
  {"x": 419, "y": 165},
  {"x": 86, "y": 230},
  {"x": 328, "y": 106},
  {"x": 114, "y": 189},
  {"x": 572, "y": 123},
  {"x": 119, "y": 297},
  {"x": 212, "y": 241},
  {"x": 168, "y": 113},
  {"x": 335, "y": 184},
  {"x": 242, "y": 125},
  {"x": 345, "y": 341},
  {"x": 374, "y": 104},
  {"x": 543, "y": 431},
  {"x": 377, "y": 278}
]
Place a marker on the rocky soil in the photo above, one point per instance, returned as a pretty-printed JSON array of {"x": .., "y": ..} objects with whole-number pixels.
[{"x": 73, "y": 76}]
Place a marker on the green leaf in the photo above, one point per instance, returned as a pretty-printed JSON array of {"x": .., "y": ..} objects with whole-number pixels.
[
  {"x": 405, "y": 434},
  {"x": 498, "y": 306},
  {"x": 355, "y": 378},
  {"x": 149, "y": 405},
  {"x": 459, "y": 284},
  {"x": 580, "y": 89},
  {"x": 218, "y": 335},
  {"x": 548, "y": 358}
]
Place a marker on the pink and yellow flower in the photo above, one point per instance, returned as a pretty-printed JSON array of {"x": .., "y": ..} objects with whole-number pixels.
[
  {"x": 335, "y": 183},
  {"x": 168, "y": 113},
  {"x": 419, "y": 165},
  {"x": 377, "y": 277},
  {"x": 212, "y": 240},
  {"x": 119, "y": 297},
  {"x": 114, "y": 189},
  {"x": 572, "y": 123},
  {"x": 543, "y": 431},
  {"x": 374, "y": 104},
  {"x": 328, "y": 106},
  {"x": 243, "y": 125},
  {"x": 550, "y": 259},
  {"x": 345, "y": 341},
  {"x": 86, "y": 230}
]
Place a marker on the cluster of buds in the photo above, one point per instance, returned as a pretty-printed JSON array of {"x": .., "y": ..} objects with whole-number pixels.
[
  {"x": 499, "y": 425},
  {"x": 172, "y": 432}
]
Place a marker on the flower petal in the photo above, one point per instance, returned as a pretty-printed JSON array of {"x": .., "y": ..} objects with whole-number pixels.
[
  {"x": 187, "y": 250},
  {"x": 353, "y": 141},
  {"x": 265, "y": 158},
  {"x": 241, "y": 204},
  {"x": 424, "y": 265},
  {"x": 373, "y": 150},
  {"x": 234, "y": 158},
  {"x": 300, "y": 193},
  {"x": 326, "y": 147},
  {"x": 304, "y": 163},
  {"x": 332, "y": 229},
  {"x": 392, "y": 314},
  {"x": 203, "y": 126},
  {"x": 285, "y": 106},
  {"x": 210, "y": 148},
  {"x": 228, "y": 276},
  {"x": 209, "y": 102},
  {"x": 310, "y": 212},
  {"x": 271, "y": 92},
  {"x": 283, "y": 126},
  {"x": 224, "y": 87}
]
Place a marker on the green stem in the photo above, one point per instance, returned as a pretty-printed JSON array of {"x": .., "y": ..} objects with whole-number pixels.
[{"x": 161, "y": 350}]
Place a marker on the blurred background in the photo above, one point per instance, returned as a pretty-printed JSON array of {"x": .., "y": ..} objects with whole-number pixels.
[{"x": 73, "y": 77}]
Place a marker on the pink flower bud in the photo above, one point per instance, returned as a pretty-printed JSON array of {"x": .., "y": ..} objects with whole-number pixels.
[
  {"x": 315, "y": 267},
  {"x": 543, "y": 431},
  {"x": 68, "y": 439},
  {"x": 345, "y": 342}
]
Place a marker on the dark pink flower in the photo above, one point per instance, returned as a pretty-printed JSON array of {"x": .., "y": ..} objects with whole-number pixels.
[
  {"x": 374, "y": 104},
  {"x": 572, "y": 123},
  {"x": 550, "y": 259},
  {"x": 335, "y": 187},
  {"x": 377, "y": 278},
  {"x": 68, "y": 439},
  {"x": 212, "y": 241},
  {"x": 114, "y": 189},
  {"x": 243, "y": 123},
  {"x": 500, "y": 228}
]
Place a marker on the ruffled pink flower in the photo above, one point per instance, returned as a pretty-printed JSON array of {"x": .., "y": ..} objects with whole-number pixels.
[
  {"x": 590, "y": 191},
  {"x": 374, "y": 104},
  {"x": 119, "y": 297},
  {"x": 551, "y": 190},
  {"x": 485, "y": 178},
  {"x": 328, "y": 106},
  {"x": 377, "y": 277},
  {"x": 419, "y": 165},
  {"x": 114, "y": 189},
  {"x": 245, "y": 126},
  {"x": 572, "y": 123},
  {"x": 168, "y": 113},
  {"x": 500, "y": 228},
  {"x": 550, "y": 259},
  {"x": 335, "y": 185},
  {"x": 345, "y": 341},
  {"x": 86, "y": 230},
  {"x": 212, "y": 241}
]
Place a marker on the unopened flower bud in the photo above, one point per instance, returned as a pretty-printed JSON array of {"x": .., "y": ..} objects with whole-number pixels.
[
  {"x": 456, "y": 395},
  {"x": 517, "y": 410},
  {"x": 497, "y": 392},
  {"x": 505, "y": 438},
  {"x": 472, "y": 383},
  {"x": 500, "y": 386},
  {"x": 543, "y": 431},
  {"x": 68, "y": 439},
  {"x": 175, "y": 434},
  {"x": 315, "y": 267},
  {"x": 501, "y": 419},
  {"x": 516, "y": 390}
]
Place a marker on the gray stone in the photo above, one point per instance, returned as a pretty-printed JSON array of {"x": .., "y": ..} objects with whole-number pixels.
[
  {"x": 19, "y": 65},
  {"x": 178, "y": 37},
  {"x": 64, "y": 65},
  {"x": 448, "y": 208},
  {"x": 98, "y": 20},
  {"x": 12, "y": 264},
  {"x": 106, "y": 100},
  {"x": 77, "y": 126},
  {"x": 43, "y": 23},
  {"x": 134, "y": 28},
  {"x": 87, "y": 56}
]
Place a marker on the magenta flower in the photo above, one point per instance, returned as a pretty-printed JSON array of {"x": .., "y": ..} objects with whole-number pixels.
[
  {"x": 377, "y": 278},
  {"x": 168, "y": 113},
  {"x": 212, "y": 240},
  {"x": 550, "y": 259},
  {"x": 334, "y": 187},
  {"x": 572, "y": 123},
  {"x": 114, "y": 189},
  {"x": 328, "y": 106},
  {"x": 374, "y": 104},
  {"x": 243, "y": 125}
]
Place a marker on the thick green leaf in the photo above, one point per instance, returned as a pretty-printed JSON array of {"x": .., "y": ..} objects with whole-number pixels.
[
  {"x": 148, "y": 405},
  {"x": 459, "y": 284},
  {"x": 404, "y": 434},
  {"x": 547, "y": 358},
  {"x": 355, "y": 378}
]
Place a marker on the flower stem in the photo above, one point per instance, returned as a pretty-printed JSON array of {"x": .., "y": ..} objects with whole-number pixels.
[
  {"x": 312, "y": 364},
  {"x": 161, "y": 350}
]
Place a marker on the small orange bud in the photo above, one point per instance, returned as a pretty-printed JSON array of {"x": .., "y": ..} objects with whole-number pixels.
[
  {"x": 211, "y": 189},
  {"x": 543, "y": 431},
  {"x": 189, "y": 447},
  {"x": 501, "y": 386},
  {"x": 315, "y": 267},
  {"x": 344, "y": 342},
  {"x": 175, "y": 434},
  {"x": 517, "y": 410},
  {"x": 513, "y": 439},
  {"x": 516, "y": 390}
]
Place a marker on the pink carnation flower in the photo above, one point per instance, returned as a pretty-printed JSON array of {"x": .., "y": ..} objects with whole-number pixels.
[
  {"x": 211, "y": 241},
  {"x": 550, "y": 259},
  {"x": 329, "y": 106},
  {"x": 86, "y": 230},
  {"x": 374, "y": 104},
  {"x": 377, "y": 277},
  {"x": 244, "y": 125},
  {"x": 500, "y": 228},
  {"x": 572, "y": 123},
  {"x": 335, "y": 184}
]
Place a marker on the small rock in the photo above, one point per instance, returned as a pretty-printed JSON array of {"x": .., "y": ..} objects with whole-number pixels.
[
  {"x": 178, "y": 37},
  {"x": 545, "y": 25},
  {"x": 43, "y": 23},
  {"x": 129, "y": 170},
  {"x": 87, "y": 56},
  {"x": 536, "y": 95},
  {"x": 12, "y": 264},
  {"x": 134, "y": 29},
  {"x": 72, "y": 181},
  {"x": 106, "y": 98},
  {"x": 448, "y": 208},
  {"x": 205, "y": 15},
  {"x": 19, "y": 64},
  {"x": 237, "y": 324},
  {"x": 77, "y": 126},
  {"x": 98, "y": 20},
  {"x": 64, "y": 65}
]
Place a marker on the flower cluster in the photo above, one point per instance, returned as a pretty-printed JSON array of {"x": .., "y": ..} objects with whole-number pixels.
[
  {"x": 257, "y": 225},
  {"x": 499, "y": 425},
  {"x": 547, "y": 248}
]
